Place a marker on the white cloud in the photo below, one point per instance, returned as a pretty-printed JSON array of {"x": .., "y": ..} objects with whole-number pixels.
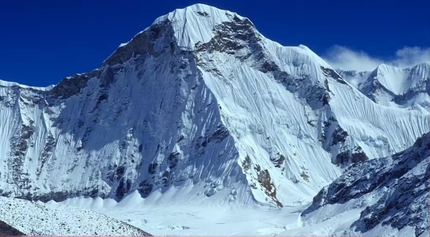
[
  {"x": 410, "y": 56},
  {"x": 348, "y": 59}
]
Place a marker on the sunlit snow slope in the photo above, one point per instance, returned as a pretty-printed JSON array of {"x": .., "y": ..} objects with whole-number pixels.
[{"x": 202, "y": 104}]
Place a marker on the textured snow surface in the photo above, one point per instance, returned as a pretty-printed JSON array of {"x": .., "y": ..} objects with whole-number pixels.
[{"x": 37, "y": 218}]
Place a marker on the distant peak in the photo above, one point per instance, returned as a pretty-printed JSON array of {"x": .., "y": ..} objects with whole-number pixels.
[{"x": 383, "y": 69}]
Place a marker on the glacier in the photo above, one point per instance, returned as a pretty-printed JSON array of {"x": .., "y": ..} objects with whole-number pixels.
[{"x": 201, "y": 107}]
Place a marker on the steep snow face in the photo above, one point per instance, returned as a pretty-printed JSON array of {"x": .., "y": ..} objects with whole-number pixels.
[
  {"x": 202, "y": 105},
  {"x": 36, "y": 218},
  {"x": 146, "y": 123},
  {"x": 384, "y": 196}
]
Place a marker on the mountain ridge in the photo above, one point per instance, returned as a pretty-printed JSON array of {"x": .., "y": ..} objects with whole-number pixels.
[{"x": 389, "y": 192}]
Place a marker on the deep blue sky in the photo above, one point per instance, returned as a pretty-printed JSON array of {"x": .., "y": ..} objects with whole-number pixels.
[{"x": 44, "y": 41}]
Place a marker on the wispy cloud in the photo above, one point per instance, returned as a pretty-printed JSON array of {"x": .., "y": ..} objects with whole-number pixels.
[
  {"x": 348, "y": 59},
  {"x": 410, "y": 56}
]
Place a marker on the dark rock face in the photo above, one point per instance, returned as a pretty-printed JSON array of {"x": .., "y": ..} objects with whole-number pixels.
[
  {"x": 71, "y": 86},
  {"x": 123, "y": 188},
  {"x": 145, "y": 188},
  {"x": 348, "y": 157},
  {"x": 19, "y": 146},
  {"x": 408, "y": 201},
  {"x": 333, "y": 74},
  {"x": 246, "y": 164},
  {"x": 141, "y": 44},
  {"x": 219, "y": 135},
  {"x": 63, "y": 195},
  {"x": 7, "y": 230},
  {"x": 263, "y": 177},
  {"x": 334, "y": 137},
  {"x": 223, "y": 41},
  {"x": 278, "y": 160},
  {"x": 405, "y": 191}
]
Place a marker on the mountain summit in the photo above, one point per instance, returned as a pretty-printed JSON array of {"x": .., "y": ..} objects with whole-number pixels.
[{"x": 202, "y": 105}]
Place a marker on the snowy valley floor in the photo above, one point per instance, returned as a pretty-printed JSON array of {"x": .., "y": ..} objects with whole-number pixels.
[
  {"x": 198, "y": 220},
  {"x": 230, "y": 220}
]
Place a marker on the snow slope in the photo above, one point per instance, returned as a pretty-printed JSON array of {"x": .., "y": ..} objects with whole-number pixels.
[
  {"x": 199, "y": 104},
  {"x": 37, "y": 218}
]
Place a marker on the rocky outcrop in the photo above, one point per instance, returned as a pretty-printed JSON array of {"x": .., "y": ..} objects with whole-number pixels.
[
  {"x": 7, "y": 230},
  {"x": 400, "y": 182}
]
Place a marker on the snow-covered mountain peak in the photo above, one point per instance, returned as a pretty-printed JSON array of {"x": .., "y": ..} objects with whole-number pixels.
[
  {"x": 199, "y": 23},
  {"x": 201, "y": 102},
  {"x": 195, "y": 24},
  {"x": 390, "y": 77},
  {"x": 393, "y": 86}
]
